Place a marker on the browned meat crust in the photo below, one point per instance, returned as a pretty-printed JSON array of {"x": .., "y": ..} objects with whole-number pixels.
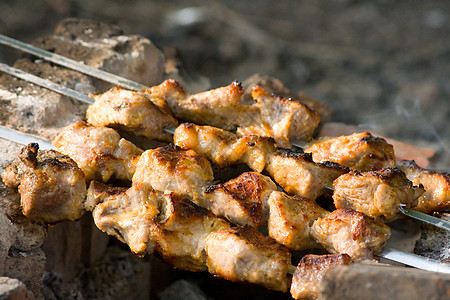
[
  {"x": 290, "y": 220},
  {"x": 351, "y": 232},
  {"x": 242, "y": 254},
  {"x": 134, "y": 112},
  {"x": 51, "y": 186},
  {"x": 436, "y": 185},
  {"x": 359, "y": 151},
  {"x": 310, "y": 271},
  {"x": 376, "y": 193},
  {"x": 98, "y": 151}
]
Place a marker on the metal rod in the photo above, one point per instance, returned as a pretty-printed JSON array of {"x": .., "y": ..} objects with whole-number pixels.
[
  {"x": 414, "y": 260},
  {"x": 46, "y": 83},
  {"x": 71, "y": 64},
  {"x": 23, "y": 138},
  {"x": 443, "y": 224}
]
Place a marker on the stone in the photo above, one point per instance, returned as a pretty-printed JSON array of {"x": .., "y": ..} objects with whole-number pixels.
[
  {"x": 361, "y": 281},
  {"x": 39, "y": 111},
  {"x": 28, "y": 267},
  {"x": 13, "y": 289},
  {"x": 7, "y": 239}
]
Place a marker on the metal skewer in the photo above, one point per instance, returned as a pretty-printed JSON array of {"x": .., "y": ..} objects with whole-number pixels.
[{"x": 71, "y": 64}]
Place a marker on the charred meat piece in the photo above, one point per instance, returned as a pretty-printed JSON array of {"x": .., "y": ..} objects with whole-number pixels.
[
  {"x": 225, "y": 108},
  {"x": 181, "y": 231},
  {"x": 351, "y": 232},
  {"x": 98, "y": 151},
  {"x": 436, "y": 185},
  {"x": 170, "y": 168},
  {"x": 126, "y": 213},
  {"x": 291, "y": 218},
  {"x": 242, "y": 254},
  {"x": 223, "y": 148},
  {"x": 242, "y": 200},
  {"x": 298, "y": 174},
  {"x": 310, "y": 271},
  {"x": 359, "y": 151},
  {"x": 51, "y": 186},
  {"x": 135, "y": 112},
  {"x": 378, "y": 194}
]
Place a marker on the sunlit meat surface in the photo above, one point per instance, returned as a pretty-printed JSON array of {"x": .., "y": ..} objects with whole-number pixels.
[
  {"x": 181, "y": 231},
  {"x": 225, "y": 108},
  {"x": 351, "y": 232},
  {"x": 98, "y": 151},
  {"x": 436, "y": 185},
  {"x": 242, "y": 254},
  {"x": 359, "y": 151},
  {"x": 310, "y": 271},
  {"x": 173, "y": 169},
  {"x": 51, "y": 186},
  {"x": 242, "y": 200},
  {"x": 291, "y": 218},
  {"x": 297, "y": 174},
  {"x": 135, "y": 112},
  {"x": 126, "y": 213},
  {"x": 223, "y": 148},
  {"x": 378, "y": 194}
]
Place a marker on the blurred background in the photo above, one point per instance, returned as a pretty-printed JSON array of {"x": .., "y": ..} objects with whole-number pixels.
[{"x": 381, "y": 65}]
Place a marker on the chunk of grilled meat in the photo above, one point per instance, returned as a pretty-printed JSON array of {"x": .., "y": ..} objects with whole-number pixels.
[
  {"x": 436, "y": 185},
  {"x": 242, "y": 254},
  {"x": 223, "y": 148},
  {"x": 280, "y": 118},
  {"x": 351, "y": 232},
  {"x": 378, "y": 194},
  {"x": 359, "y": 151},
  {"x": 298, "y": 174},
  {"x": 310, "y": 271},
  {"x": 181, "y": 231},
  {"x": 98, "y": 151},
  {"x": 224, "y": 107},
  {"x": 242, "y": 200},
  {"x": 170, "y": 168},
  {"x": 51, "y": 186},
  {"x": 135, "y": 112},
  {"x": 126, "y": 213},
  {"x": 291, "y": 218}
]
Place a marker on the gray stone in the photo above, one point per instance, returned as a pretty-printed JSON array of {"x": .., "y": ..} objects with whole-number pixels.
[
  {"x": 13, "y": 289},
  {"x": 7, "y": 239},
  {"x": 28, "y": 267},
  {"x": 360, "y": 281}
]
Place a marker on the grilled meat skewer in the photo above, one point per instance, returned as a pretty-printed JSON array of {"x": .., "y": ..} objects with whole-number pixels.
[{"x": 292, "y": 169}]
